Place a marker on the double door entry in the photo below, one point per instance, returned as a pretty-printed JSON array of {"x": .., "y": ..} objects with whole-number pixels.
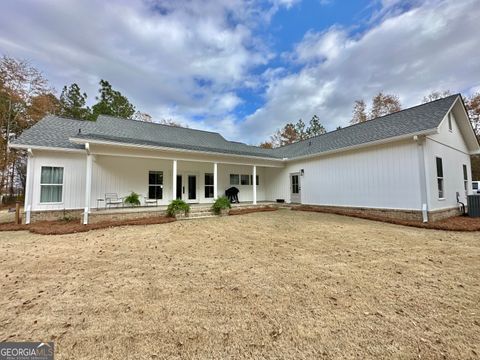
[{"x": 187, "y": 187}]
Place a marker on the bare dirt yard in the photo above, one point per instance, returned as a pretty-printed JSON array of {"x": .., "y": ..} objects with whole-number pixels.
[{"x": 284, "y": 284}]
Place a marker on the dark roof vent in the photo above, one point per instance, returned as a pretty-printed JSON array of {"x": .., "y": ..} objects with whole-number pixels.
[
  {"x": 309, "y": 143},
  {"x": 79, "y": 131}
]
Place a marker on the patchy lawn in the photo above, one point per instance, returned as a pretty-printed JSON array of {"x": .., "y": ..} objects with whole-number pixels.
[{"x": 282, "y": 284}]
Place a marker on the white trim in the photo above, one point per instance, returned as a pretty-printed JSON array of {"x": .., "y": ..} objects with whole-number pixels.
[
  {"x": 254, "y": 184},
  {"x": 164, "y": 148},
  {"x": 88, "y": 187},
  {"x": 62, "y": 185},
  {"x": 174, "y": 178},
  {"x": 367, "y": 144},
  {"x": 215, "y": 180},
  {"x": 46, "y": 148}
]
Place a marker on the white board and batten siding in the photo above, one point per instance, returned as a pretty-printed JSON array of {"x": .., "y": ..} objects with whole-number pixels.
[
  {"x": 73, "y": 191},
  {"x": 122, "y": 175},
  {"x": 450, "y": 146},
  {"x": 384, "y": 176}
]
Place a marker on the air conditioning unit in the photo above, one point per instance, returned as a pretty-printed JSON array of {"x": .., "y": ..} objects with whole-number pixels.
[{"x": 474, "y": 205}]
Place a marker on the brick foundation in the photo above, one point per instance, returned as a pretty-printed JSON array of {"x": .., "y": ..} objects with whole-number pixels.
[
  {"x": 52, "y": 215},
  {"x": 120, "y": 216},
  {"x": 443, "y": 214},
  {"x": 409, "y": 215}
]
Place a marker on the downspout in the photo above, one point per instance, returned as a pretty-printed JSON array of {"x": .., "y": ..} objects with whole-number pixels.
[
  {"x": 420, "y": 140},
  {"x": 29, "y": 186}
]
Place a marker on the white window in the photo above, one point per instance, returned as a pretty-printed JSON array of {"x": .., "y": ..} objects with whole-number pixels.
[
  {"x": 208, "y": 186},
  {"x": 440, "y": 185},
  {"x": 51, "y": 184},
  {"x": 245, "y": 180},
  {"x": 234, "y": 179},
  {"x": 251, "y": 179},
  {"x": 465, "y": 179},
  {"x": 155, "y": 184},
  {"x": 450, "y": 121}
]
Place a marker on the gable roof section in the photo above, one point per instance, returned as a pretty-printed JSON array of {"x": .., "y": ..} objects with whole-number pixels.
[
  {"x": 56, "y": 132},
  {"x": 415, "y": 120}
]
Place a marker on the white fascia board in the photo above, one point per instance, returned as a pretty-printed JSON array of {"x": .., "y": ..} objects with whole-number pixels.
[
  {"x": 368, "y": 144},
  {"x": 163, "y": 148},
  {"x": 45, "y": 148}
]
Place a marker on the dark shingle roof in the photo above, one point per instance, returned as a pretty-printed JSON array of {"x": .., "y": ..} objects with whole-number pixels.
[
  {"x": 409, "y": 121},
  {"x": 54, "y": 131}
]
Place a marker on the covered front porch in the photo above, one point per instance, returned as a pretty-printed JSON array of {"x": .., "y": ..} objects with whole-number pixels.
[{"x": 161, "y": 176}]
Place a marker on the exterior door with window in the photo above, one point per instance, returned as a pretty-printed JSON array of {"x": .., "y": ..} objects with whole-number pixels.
[
  {"x": 295, "y": 188},
  {"x": 191, "y": 188},
  {"x": 187, "y": 187}
]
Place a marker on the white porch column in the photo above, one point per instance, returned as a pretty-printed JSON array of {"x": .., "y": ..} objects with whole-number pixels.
[
  {"x": 29, "y": 186},
  {"x": 88, "y": 187},
  {"x": 254, "y": 183},
  {"x": 174, "y": 180},
  {"x": 215, "y": 178}
]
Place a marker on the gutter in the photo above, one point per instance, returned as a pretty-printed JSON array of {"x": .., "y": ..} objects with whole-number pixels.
[
  {"x": 45, "y": 148},
  {"x": 367, "y": 144},
  {"x": 164, "y": 148}
]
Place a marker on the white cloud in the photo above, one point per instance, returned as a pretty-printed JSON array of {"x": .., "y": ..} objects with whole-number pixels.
[
  {"x": 433, "y": 46},
  {"x": 190, "y": 56}
]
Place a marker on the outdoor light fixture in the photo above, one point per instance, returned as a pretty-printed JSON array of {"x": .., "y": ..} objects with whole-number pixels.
[{"x": 302, "y": 172}]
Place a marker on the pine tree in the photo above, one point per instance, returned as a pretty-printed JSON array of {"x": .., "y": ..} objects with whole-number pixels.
[
  {"x": 112, "y": 102},
  {"x": 73, "y": 103}
]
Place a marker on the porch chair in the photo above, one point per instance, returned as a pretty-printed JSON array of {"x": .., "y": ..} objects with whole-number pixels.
[
  {"x": 148, "y": 201},
  {"x": 113, "y": 199}
]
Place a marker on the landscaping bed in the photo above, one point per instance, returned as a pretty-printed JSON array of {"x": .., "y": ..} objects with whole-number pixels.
[
  {"x": 456, "y": 223},
  {"x": 60, "y": 227},
  {"x": 240, "y": 211}
]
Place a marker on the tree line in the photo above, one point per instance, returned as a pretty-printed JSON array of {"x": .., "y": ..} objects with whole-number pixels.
[
  {"x": 381, "y": 104},
  {"x": 26, "y": 97}
]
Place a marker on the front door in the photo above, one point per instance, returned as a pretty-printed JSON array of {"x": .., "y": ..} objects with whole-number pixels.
[
  {"x": 180, "y": 188},
  {"x": 187, "y": 187},
  {"x": 295, "y": 189},
  {"x": 192, "y": 188}
]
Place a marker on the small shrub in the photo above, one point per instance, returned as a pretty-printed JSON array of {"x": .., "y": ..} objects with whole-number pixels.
[
  {"x": 176, "y": 207},
  {"x": 222, "y": 203},
  {"x": 133, "y": 199}
]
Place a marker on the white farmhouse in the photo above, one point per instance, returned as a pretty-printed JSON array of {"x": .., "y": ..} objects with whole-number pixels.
[{"x": 412, "y": 164}]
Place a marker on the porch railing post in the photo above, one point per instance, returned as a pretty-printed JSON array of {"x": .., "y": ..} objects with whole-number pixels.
[
  {"x": 215, "y": 177},
  {"x": 174, "y": 180},
  {"x": 254, "y": 183},
  {"x": 88, "y": 188}
]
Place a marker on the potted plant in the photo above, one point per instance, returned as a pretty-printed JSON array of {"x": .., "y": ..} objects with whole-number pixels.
[
  {"x": 178, "y": 208},
  {"x": 221, "y": 206},
  {"x": 133, "y": 199}
]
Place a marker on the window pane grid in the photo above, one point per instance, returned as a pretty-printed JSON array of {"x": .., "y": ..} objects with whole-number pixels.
[
  {"x": 51, "y": 184},
  {"x": 155, "y": 185},
  {"x": 209, "y": 185},
  {"x": 440, "y": 184}
]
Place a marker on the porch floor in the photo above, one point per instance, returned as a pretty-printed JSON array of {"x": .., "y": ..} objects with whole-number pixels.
[{"x": 148, "y": 209}]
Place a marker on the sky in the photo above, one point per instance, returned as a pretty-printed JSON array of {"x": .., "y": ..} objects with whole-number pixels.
[{"x": 246, "y": 68}]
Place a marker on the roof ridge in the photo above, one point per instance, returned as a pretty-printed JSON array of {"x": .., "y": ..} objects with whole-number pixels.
[
  {"x": 377, "y": 118},
  {"x": 158, "y": 124}
]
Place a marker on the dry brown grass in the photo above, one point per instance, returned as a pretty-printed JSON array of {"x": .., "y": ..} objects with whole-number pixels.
[
  {"x": 284, "y": 284},
  {"x": 60, "y": 227},
  {"x": 455, "y": 223}
]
